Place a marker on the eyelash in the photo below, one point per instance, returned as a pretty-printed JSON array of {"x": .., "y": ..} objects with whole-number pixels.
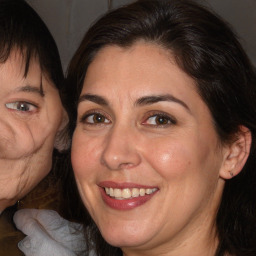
[
  {"x": 15, "y": 105},
  {"x": 165, "y": 117}
]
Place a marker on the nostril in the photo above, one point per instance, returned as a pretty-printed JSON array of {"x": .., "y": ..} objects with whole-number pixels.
[{"x": 126, "y": 166}]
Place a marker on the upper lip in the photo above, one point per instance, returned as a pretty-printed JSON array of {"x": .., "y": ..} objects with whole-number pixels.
[{"x": 122, "y": 185}]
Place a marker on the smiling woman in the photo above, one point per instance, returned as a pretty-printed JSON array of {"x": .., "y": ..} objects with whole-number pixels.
[{"x": 163, "y": 146}]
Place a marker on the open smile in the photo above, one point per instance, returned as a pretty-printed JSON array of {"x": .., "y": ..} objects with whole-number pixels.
[
  {"x": 128, "y": 193},
  {"x": 125, "y": 196}
]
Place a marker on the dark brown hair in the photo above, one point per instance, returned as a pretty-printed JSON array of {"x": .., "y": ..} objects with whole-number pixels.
[
  {"x": 205, "y": 47},
  {"x": 21, "y": 28}
]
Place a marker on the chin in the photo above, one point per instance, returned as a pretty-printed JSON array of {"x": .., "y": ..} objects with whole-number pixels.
[
  {"x": 122, "y": 243},
  {"x": 125, "y": 239}
]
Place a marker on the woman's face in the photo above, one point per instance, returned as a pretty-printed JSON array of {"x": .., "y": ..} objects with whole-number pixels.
[
  {"x": 145, "y": 153},
  {"x": 31, "y": 114}
]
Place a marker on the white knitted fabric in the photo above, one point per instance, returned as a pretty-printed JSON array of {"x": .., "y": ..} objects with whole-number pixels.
[{"x": 48, "y": 234}]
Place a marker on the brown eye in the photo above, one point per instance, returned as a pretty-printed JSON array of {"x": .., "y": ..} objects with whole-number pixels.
[
  {"x": 95, "y": 118},
  {"x": 159, "y": 120}
]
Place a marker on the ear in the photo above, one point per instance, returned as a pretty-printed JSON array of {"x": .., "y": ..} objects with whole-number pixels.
[
  {"x": 236, "y": 154},
  {"x": 62, "y": 140}
]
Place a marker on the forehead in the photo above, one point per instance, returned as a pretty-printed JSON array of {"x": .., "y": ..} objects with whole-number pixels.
[
  {"x": 143, "y": 66},
  {"x": 13, "y": 73},
  {"x": 19, "y": 61}
]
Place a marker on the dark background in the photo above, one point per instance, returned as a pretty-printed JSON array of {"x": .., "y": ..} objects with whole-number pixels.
[{"x": 69, "y": 19}]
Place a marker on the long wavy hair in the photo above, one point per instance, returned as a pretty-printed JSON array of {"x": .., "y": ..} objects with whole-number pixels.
[{"x": 206, "y": 48}]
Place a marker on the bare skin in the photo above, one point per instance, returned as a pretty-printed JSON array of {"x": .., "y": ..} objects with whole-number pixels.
[
  {"x": 31, "y": 115},
  {"x": 142, "y": 125}
]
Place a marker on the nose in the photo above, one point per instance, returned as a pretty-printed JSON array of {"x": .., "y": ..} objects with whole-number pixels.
[
  {"x": 7, "y": 137},
  {"x": 120, "y": 149},
  {"x": 16, "y": 140}
]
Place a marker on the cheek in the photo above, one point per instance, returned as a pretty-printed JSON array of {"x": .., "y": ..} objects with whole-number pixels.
[
  {"x": 84, "y": 156},
  {"x": 181, "y": 158},
  {"x": 44, "y": 130},
  {"x": 21, "y": 139},
  {"x": 49, "y": 121},
  {"x": 188, "y": 174},
  {"x": 171, "y": 159},
  {"x": 85, "y": 163},
  {"x": 55, "y": 113}
]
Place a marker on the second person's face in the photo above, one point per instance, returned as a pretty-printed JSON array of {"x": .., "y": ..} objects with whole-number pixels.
[
  {"x": 145, "y": 154},
  {"x": 31, "y": 114}
]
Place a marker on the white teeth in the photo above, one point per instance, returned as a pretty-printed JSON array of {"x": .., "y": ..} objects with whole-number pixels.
[
  {"x": 149, "y": 191},
  {"x": 127, "y": 193},
  {"x": 135, "y": 192},
  {"x": 142, "y": 192},
  {"x": 107, "y": 191},
  {"x": 111, "y": 192},
  {"x": 117, "y": 193}
]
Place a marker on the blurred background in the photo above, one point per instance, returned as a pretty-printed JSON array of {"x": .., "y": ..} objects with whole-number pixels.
[{"x": 68, "y": 20}]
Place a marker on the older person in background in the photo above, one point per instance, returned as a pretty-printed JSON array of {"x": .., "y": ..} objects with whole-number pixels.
[{"x": 32, "y": 114}]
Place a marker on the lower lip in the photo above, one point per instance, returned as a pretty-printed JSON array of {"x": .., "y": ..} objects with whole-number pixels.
[{"x": 125, "y": 204}]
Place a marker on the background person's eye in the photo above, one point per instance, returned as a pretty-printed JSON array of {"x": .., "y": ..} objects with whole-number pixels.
[
  {"x": 21, "y": 106},
  {"x": 95, "y": 118}
]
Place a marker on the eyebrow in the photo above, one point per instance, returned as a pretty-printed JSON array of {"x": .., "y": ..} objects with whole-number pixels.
[
  {"x": 146, "y": 100},
  {"x": 33, "y": 89},
  {"x": 151, "y": 99},
  {"x": 93, "y": 98}
]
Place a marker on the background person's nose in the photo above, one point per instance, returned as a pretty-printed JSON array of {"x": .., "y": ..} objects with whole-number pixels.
[
  {"x": 7, "y": 138},
  {"x": 16, "y": 140}
]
